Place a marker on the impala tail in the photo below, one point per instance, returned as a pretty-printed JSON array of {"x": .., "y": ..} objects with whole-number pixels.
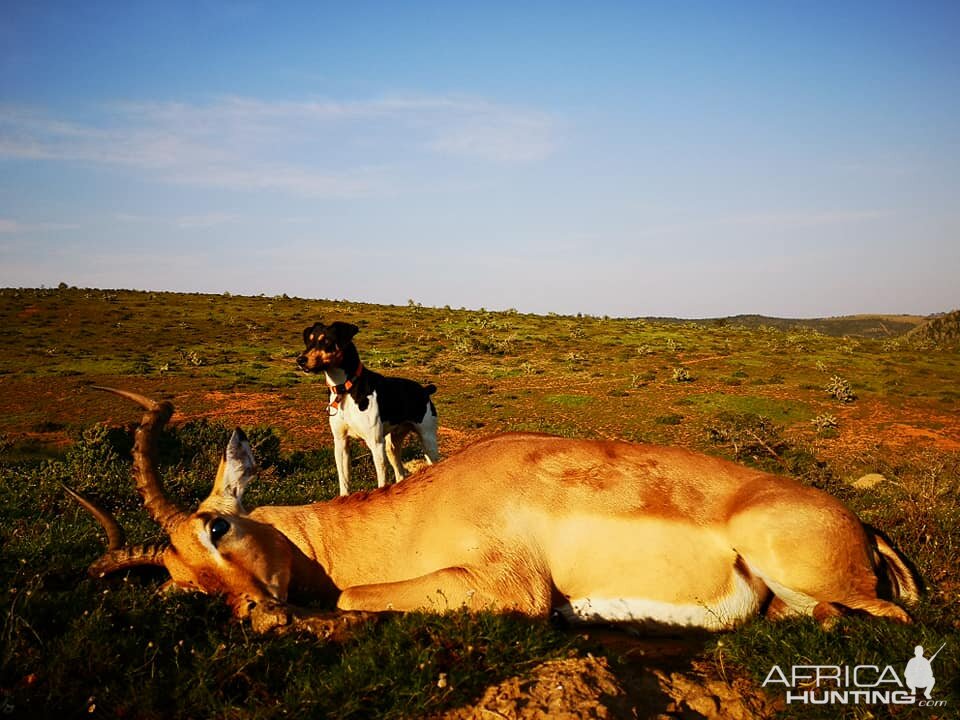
[{"x": 893, "y": 570}]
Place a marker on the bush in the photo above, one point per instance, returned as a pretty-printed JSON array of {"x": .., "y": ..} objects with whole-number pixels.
[
  {"x": 199, "y": 445},
  {"x": 841, "y": 389},
  {"x": 825, "y": 424},
  {"x": 757, "y": 440}
]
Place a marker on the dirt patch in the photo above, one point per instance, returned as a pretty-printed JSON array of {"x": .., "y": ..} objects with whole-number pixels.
[
  {"x": 909, "y": 434},
  {"x": 560, "y": 689},
  {"x": 454, "y": 439},
  {"x": 695, "y": 361},
  {"x": 866, "y": 425},
  {"x": 589, "y": 687}
]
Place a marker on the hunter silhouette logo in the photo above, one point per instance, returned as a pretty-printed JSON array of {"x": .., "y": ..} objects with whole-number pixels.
[
  {"x": 919, "y": 672},
  {"x": 865, "y": 684}
]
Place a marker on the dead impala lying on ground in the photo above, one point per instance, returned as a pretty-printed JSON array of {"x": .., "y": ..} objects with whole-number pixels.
[{"x": 598, "y": 531}]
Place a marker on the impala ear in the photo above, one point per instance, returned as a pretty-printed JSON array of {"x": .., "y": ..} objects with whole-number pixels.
[{"x": 237, "y": 468}]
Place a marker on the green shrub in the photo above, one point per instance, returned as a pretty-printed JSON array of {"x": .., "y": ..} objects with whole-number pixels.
[
  {"x": 825, "y": 424},
  {"x": 759, "y": 441},
  {"x": 840, "y": 389}
]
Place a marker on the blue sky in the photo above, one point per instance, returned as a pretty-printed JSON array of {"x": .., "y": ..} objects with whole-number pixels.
[{"x": 676, "y": 158}]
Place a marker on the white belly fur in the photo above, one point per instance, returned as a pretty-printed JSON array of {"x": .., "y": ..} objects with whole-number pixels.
[{"x": 742, "y": 602}]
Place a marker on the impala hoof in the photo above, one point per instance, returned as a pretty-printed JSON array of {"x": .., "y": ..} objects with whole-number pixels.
[{"x": 267, "y": 616}]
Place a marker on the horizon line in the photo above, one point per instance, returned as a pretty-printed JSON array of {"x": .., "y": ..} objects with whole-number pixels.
[{"x": 508, "y": 311}]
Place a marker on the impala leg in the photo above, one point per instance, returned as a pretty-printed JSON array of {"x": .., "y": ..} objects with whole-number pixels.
[
  {"x": 879, "y": 608},
  {"x": 826, "y": 613},
  {"x": 777, "y": 609},
  {"x": 448, "y": 589},
  {"x": 816, "y": 563}
]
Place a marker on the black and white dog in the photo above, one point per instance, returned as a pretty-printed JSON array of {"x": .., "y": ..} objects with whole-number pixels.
[{"x": 380, "y": 410}]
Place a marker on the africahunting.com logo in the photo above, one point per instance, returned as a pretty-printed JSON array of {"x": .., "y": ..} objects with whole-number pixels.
[{"x": 859, "y": 684}]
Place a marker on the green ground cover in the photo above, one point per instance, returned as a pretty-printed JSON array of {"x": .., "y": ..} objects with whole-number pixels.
[{"x": 72, "y": 646}]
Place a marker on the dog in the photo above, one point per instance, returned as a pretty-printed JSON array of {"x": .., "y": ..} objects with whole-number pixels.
[{"x": 364, "y": 404}]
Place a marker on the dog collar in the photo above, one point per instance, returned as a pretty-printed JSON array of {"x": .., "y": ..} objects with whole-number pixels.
[{"x": 338, "y": 391}]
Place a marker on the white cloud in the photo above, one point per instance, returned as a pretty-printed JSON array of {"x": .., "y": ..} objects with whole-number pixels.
[
  {"x": 8, "y": 226},
  {"x": 307, "y": 148},
  {"x": 184, "y": 222},
  {"x": 480, "y": 130},
  {"x": 767, "y": 222},
  {"x": 207, "y": 220}
]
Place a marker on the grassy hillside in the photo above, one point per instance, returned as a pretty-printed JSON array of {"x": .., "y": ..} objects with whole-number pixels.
[
  {"x": 798, "y": 400},
  {"x": 942, "y": 331},
  {"x": 858, "y": 326},
  {"x": 863, "y": 326}
]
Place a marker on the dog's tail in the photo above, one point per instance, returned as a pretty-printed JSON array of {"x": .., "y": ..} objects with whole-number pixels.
[{"x": 430, "y": 389}]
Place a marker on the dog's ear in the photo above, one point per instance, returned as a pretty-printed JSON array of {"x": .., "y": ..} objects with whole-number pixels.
[
  {"x": 315, "y": 329},
  {"x": 344, "y": 331}
]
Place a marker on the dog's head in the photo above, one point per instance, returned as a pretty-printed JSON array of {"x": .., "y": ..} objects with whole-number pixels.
[{"x": 325, "y": 346}]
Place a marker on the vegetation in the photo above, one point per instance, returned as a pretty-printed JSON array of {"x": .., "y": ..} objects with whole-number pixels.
[
  {"x": 841, "y": 389},
  {"x": 121, "y": 648},
  {"x": 825, "y": 424},
  {"x": 73, "y": 646},
  {"x": 937, "y": 332}
]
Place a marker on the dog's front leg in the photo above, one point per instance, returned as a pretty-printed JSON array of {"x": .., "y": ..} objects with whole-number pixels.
[{"x": 341, "y": 453}]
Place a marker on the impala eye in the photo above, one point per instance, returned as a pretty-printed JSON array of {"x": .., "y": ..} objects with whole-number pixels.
[{"x": 218, "y": 528}]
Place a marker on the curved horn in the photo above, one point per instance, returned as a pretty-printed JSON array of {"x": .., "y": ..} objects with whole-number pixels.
[
  {"x": 118, "y": 555},
  {"x": 162, "y": 509},
  {"x": 115, "y": 535},
  {"x": 125, "y": 558}
]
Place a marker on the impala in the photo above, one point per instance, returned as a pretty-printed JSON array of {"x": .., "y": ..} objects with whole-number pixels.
[{"x": 595, "y": 530}]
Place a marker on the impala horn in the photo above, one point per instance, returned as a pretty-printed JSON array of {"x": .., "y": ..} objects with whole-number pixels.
[
  {"x": 119, "y": 555},
  {"x": 162, "y": 509}
]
